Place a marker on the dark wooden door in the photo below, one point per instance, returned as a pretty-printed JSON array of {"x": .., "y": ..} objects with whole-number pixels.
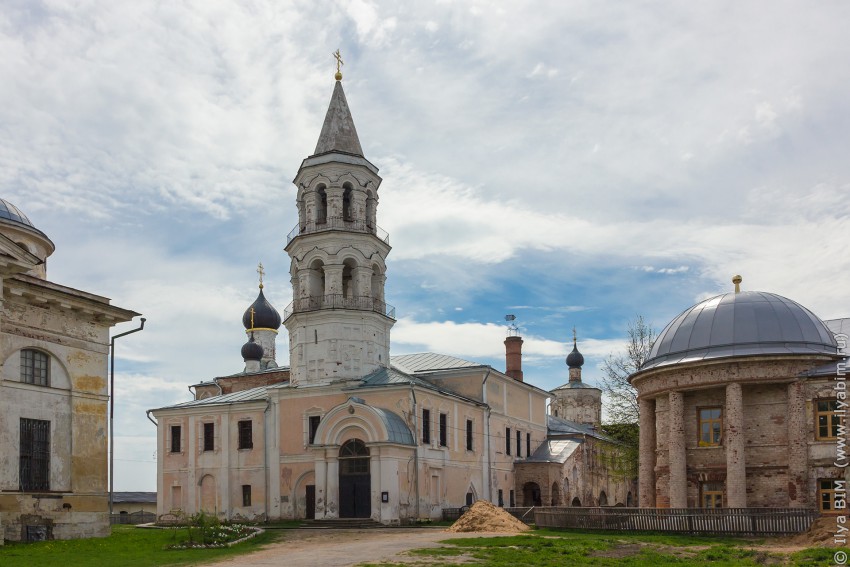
[
  {"x": 311, "y": 501},
  {"x": 355, "y": 496}
]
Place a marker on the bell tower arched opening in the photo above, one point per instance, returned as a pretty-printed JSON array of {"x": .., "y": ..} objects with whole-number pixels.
[
  {"x": 347, "y": 209},
  {"x": 321, "y": 205}
]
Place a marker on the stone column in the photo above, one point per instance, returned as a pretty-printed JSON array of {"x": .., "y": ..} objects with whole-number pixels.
[
  {"x": 798, "y": 448},
  {"x": 363, "y": 281},
  {"x": 334, "y": 203},
  {"x": 321, "y": 487},
  {"x": 332, "y": 492},
  {"x": 678, "y": 487},
  {"x": 736, "y": 465},
  {"x": 311, "y": 210},
  {"x": 358, "y": 208},
  {"x": 333, "y": 279},
  {"x": 646, "y": 467}
]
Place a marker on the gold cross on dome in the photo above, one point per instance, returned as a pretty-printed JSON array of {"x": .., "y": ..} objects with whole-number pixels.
[
  {"x": 339, "y": 61},
  {"x": 262, "y": 272},
  {"x": 252, "y": 317},
  {"x": 575, "y": 337}
]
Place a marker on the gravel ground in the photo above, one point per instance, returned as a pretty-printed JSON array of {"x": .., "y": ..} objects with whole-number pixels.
[{"x": 343, "y": 547}]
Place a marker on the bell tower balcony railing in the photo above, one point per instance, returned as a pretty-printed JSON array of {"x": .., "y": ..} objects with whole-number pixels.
[
  {"x": 338, "y": 301},
  {"x": 337, "y": 223}
]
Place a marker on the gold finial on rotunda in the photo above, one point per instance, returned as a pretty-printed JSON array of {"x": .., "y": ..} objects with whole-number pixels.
[
  {"x": 737, "y": 281},
  {"x": 262, "y": 272},
  {"x": 339, "y": 64}
]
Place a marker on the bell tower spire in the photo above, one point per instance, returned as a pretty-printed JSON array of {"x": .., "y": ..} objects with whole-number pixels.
[{"x": 338, "y": 322}]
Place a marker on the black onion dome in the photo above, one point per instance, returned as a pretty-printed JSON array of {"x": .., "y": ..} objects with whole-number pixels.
[
  {"x": 252, "y": 350},
  {"x": 575, "y": 358},
  {"x": 265, "y": 316}
]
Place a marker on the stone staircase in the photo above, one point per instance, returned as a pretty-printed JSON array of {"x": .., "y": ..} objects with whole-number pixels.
[{"x": 342, "y": 524}]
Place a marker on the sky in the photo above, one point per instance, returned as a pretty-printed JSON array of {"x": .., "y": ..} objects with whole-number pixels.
[{"x": 574, "y": 163}]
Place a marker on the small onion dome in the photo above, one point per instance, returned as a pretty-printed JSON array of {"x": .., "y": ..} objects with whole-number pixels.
[
  {"x": 261, "y": 315},
  {"x": 575, "y": 358},
  {"x": 252, "y": 350}
]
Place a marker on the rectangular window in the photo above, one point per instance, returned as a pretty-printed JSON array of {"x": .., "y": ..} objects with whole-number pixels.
[
  {"x": 176, "y": 430},
  {"x": 507, "y": 440},
  {"x": 512, "y": 498},
  {"x": 711, "y": 494},
  {"x": 34, "y": 367},
  {"x": 710, "y": 426},
  {"x": 469, "y": 498},
  {"x": 209, "y": 437},
  {"x": 314, "y": 426},
  {"x": 827, "y": 419},
  {"x": 443, "y": 430},
  {"x": 469, "y": 435},
  {"x": 826, "y": 494},
  {"x": 246, "y": 434},
  {"x": 246, "y": 494},
  {"x": 528, "y": 444},
  {"x": 426, "y": 426},
  {"x": 519, "y": 443},
  {"x": 501, "y": 499},
  {"x": 35, "y": 454}
]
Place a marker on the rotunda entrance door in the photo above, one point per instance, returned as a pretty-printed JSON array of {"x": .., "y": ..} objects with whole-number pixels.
[{"x": 355, "y": 480}]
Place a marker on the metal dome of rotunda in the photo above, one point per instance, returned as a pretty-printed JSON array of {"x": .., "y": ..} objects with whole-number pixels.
[
  {"x": 741, "y": 323},
  {"x": 16, "y": 226}
]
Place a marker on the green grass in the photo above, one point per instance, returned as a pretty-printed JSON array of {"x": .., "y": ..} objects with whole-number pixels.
[
  {"x": 544, "y": 548},
  {"x": 128, "y": 546}
]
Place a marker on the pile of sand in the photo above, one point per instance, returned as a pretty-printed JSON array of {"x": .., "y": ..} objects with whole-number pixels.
[
  {"x": 819, "y": 534},
  {"x": 484, "y": 517}
]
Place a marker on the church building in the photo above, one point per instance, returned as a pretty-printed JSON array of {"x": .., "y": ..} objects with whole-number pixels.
[{"x": 54, "y": 342}]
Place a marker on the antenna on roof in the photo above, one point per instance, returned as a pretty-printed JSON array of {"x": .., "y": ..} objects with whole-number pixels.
[{"x": 513, "y": 329}]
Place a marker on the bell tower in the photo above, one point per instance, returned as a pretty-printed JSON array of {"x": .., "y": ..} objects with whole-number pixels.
[{"x": 338, "y": 322}]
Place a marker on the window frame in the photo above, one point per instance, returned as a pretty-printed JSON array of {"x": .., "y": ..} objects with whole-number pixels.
[
  {"x": 313, "y": 422},
  {"x": 832, "y": 425},
  {"x": 245, "y": 429},
  {"x": 712, "y": 489},
  {"x": 709, "y": 421},
  {"x": 528, "y": 444},
  {"x": 208, "y": 436},
  {"x": 246, "y": 495},
  {"x": 830, "y": 493},
  {"x": 507, "y": 440},
  {"x": 426, "y": 426},
  {"x": 31, "y": 359},
  {"x": 178, "y": 430},
  {"x": 34, "y": 457},
  {"x": 518, "y": 444},
  {"x": 469, "y": 436},
  {"x": 444, "y": 429}
]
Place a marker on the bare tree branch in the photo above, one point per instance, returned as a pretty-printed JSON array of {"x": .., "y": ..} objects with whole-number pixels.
[{"x": 621, "y": 396}]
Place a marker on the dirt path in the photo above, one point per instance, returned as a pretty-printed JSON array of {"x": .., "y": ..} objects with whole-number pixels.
[{"x": 334, "y": 548}]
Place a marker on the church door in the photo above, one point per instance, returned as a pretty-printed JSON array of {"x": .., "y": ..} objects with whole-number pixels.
[
  {"x": 355, "y": 480},
  {"x": 311, "y": 501}
]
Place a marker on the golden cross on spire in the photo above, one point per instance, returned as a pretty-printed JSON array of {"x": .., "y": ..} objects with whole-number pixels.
[
  {"x": 575, "y": 337},
  {"x": 339, "y": 64},
  {"x": 262, "y": 272},
  {"x": 252, "y": 318}
]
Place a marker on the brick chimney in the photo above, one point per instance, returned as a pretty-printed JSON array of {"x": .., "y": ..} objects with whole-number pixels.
[{"x": 513, "y": 357}]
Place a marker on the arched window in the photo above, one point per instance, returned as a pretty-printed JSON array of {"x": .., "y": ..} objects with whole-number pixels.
[
  {"x": 354, "y": 457},
  {"x": 603, "y": 499},
  {"x": 349, "y": 283},
  {"x": 346, "y": 202},
  {"x": 556, "y": 495},
  {"x": 576, "y": 503},
  {"x": 35, "y": 367},
  {"x": 322, "y": 205}
]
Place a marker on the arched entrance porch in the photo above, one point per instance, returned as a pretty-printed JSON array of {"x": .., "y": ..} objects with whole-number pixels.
[{"x": 355, "y": 480}]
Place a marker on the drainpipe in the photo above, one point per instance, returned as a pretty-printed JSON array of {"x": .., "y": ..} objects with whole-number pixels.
[
  {"x": 266, "y": 453},
  {"x": 416, "y": 447},
  {"x": 112, "y": 410},
  {"x": 489, "y": 484},
  {"x": 215, "y": 381}
]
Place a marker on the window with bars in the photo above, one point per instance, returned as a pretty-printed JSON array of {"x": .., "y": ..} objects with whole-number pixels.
[
  {"x": 507, "y": 440},
  {"x": 444, "y": 430},
  {"x": 827, "y": 419},
  {"x": 246, "y": 434},
  {"x": 176, "y": 431},
  {"x": 35, "y": 454},
  {"x": 313, "y": 424},
  {"x": 246, "y": 494},
  {"x": 35, "y": 367},
  {"x": 426, "y": 426},
  {"x": 209, "y": 437},
  {"x": 469, "y": 435}
]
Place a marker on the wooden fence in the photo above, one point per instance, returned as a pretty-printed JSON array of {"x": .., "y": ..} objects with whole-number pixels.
[
  {"x": 139, "y": 517},
  {"x": 730, "y": 521}
]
